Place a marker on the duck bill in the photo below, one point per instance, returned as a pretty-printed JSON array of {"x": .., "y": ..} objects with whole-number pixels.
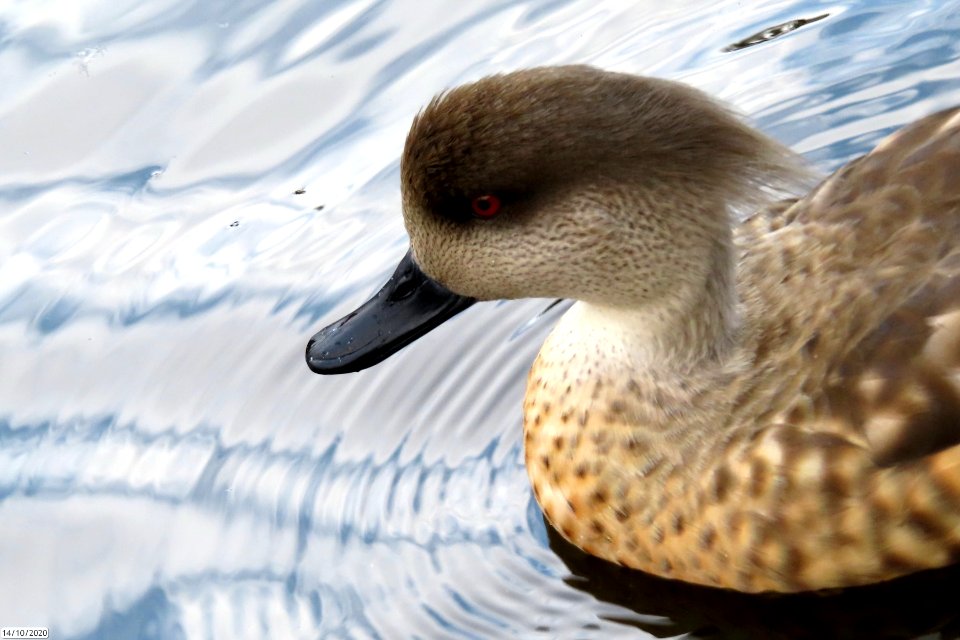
[{"x": 408, "y": 306}]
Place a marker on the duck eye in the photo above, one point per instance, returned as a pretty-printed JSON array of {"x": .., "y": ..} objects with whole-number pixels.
[{"x": 485, "y": 206}]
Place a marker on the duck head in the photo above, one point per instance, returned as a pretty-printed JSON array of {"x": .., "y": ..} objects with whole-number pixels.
[{"x": 561, "y": 182}]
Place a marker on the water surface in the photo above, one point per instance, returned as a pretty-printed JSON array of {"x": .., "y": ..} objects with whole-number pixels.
[{"x": 189, "y": 189}]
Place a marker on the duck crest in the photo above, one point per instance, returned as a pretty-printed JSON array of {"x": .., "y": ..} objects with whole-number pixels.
[{"x": 820, "y": 450}]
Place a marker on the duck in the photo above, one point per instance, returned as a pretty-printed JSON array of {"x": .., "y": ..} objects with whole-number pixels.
[{"x": 754, "y": 389}]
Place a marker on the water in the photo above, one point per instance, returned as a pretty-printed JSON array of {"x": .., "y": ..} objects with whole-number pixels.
[{"x": 189, "y": 189}]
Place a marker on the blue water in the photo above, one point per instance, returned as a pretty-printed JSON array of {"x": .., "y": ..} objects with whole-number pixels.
[{"x": 188, "y": 190}]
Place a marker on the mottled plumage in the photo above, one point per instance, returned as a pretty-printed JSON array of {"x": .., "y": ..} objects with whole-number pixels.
[{"x": 765, "y": 406}]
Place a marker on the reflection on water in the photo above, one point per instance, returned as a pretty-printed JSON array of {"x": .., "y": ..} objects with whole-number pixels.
[
  {"x": 775, "y": 31},
  {"x": 908, "y": 607},
  {"x": 189, "y": 189}
]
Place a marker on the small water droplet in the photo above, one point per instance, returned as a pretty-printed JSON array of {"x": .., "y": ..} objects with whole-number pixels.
[{"x": 84, "y": 56}]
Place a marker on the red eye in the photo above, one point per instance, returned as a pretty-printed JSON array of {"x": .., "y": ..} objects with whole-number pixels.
[{"x": 486, "y": 206}]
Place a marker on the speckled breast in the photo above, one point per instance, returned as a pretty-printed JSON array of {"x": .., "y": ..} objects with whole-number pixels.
[{"x": 765, "y": 509}]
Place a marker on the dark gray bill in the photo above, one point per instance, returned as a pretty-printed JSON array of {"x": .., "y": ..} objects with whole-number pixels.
[{"x": 409, "y": 306}]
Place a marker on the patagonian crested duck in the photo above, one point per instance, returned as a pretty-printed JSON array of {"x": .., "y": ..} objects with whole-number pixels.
[{"x": 770, "y": 404}]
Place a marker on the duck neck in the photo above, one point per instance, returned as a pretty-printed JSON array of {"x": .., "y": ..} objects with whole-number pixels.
[{"x": 695, "y": 328}]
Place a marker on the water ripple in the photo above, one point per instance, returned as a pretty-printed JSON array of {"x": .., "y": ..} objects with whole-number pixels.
[{"x": 189, "y": 189}]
